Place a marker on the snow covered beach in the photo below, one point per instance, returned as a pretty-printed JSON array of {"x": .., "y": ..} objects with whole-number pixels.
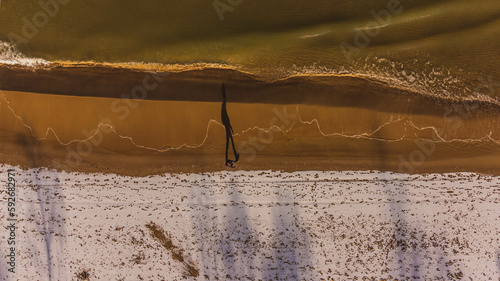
[{"x": 255, "y": 225}]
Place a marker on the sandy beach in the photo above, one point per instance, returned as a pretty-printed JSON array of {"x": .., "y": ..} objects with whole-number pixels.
[{"x": 175, "y": 125}]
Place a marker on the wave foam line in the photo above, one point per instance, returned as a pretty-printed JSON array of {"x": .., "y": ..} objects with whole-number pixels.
[
  {"x": 10, "y": 55},
  {"x": 442, "y": 139},
  {"x": 357, "y": 136}
]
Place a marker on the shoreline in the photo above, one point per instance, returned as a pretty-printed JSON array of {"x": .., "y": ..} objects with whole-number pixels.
[
  {"x": 202, "y": 84},
  {"x": 299, "y": 123}
]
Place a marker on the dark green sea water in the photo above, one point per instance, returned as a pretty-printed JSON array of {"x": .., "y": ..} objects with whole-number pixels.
[{"x": 448, "y": 47}]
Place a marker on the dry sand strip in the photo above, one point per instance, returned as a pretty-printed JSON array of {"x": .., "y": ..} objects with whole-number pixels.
[
  {"x": 147, "y": 137},
  {"x": 257, "y": 225}
]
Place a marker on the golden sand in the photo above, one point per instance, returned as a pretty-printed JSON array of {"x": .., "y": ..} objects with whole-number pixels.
[{"x": 157, "y": 136}]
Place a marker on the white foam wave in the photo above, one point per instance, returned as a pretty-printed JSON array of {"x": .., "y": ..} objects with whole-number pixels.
[
  {"x": 432, "y": 80},
  {"x": 10, "y": 55}
]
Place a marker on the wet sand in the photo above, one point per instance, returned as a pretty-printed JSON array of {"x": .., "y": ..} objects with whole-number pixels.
[
  {"x": 301, "y": 123},
  {"x": 202, "y": 83}
]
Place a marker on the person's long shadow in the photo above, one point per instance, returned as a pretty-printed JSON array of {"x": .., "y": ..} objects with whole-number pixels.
[{"x": 229, "y": 129}]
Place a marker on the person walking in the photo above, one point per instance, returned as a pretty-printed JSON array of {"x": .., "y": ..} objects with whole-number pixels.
[{"x": 229, "y": 130}]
